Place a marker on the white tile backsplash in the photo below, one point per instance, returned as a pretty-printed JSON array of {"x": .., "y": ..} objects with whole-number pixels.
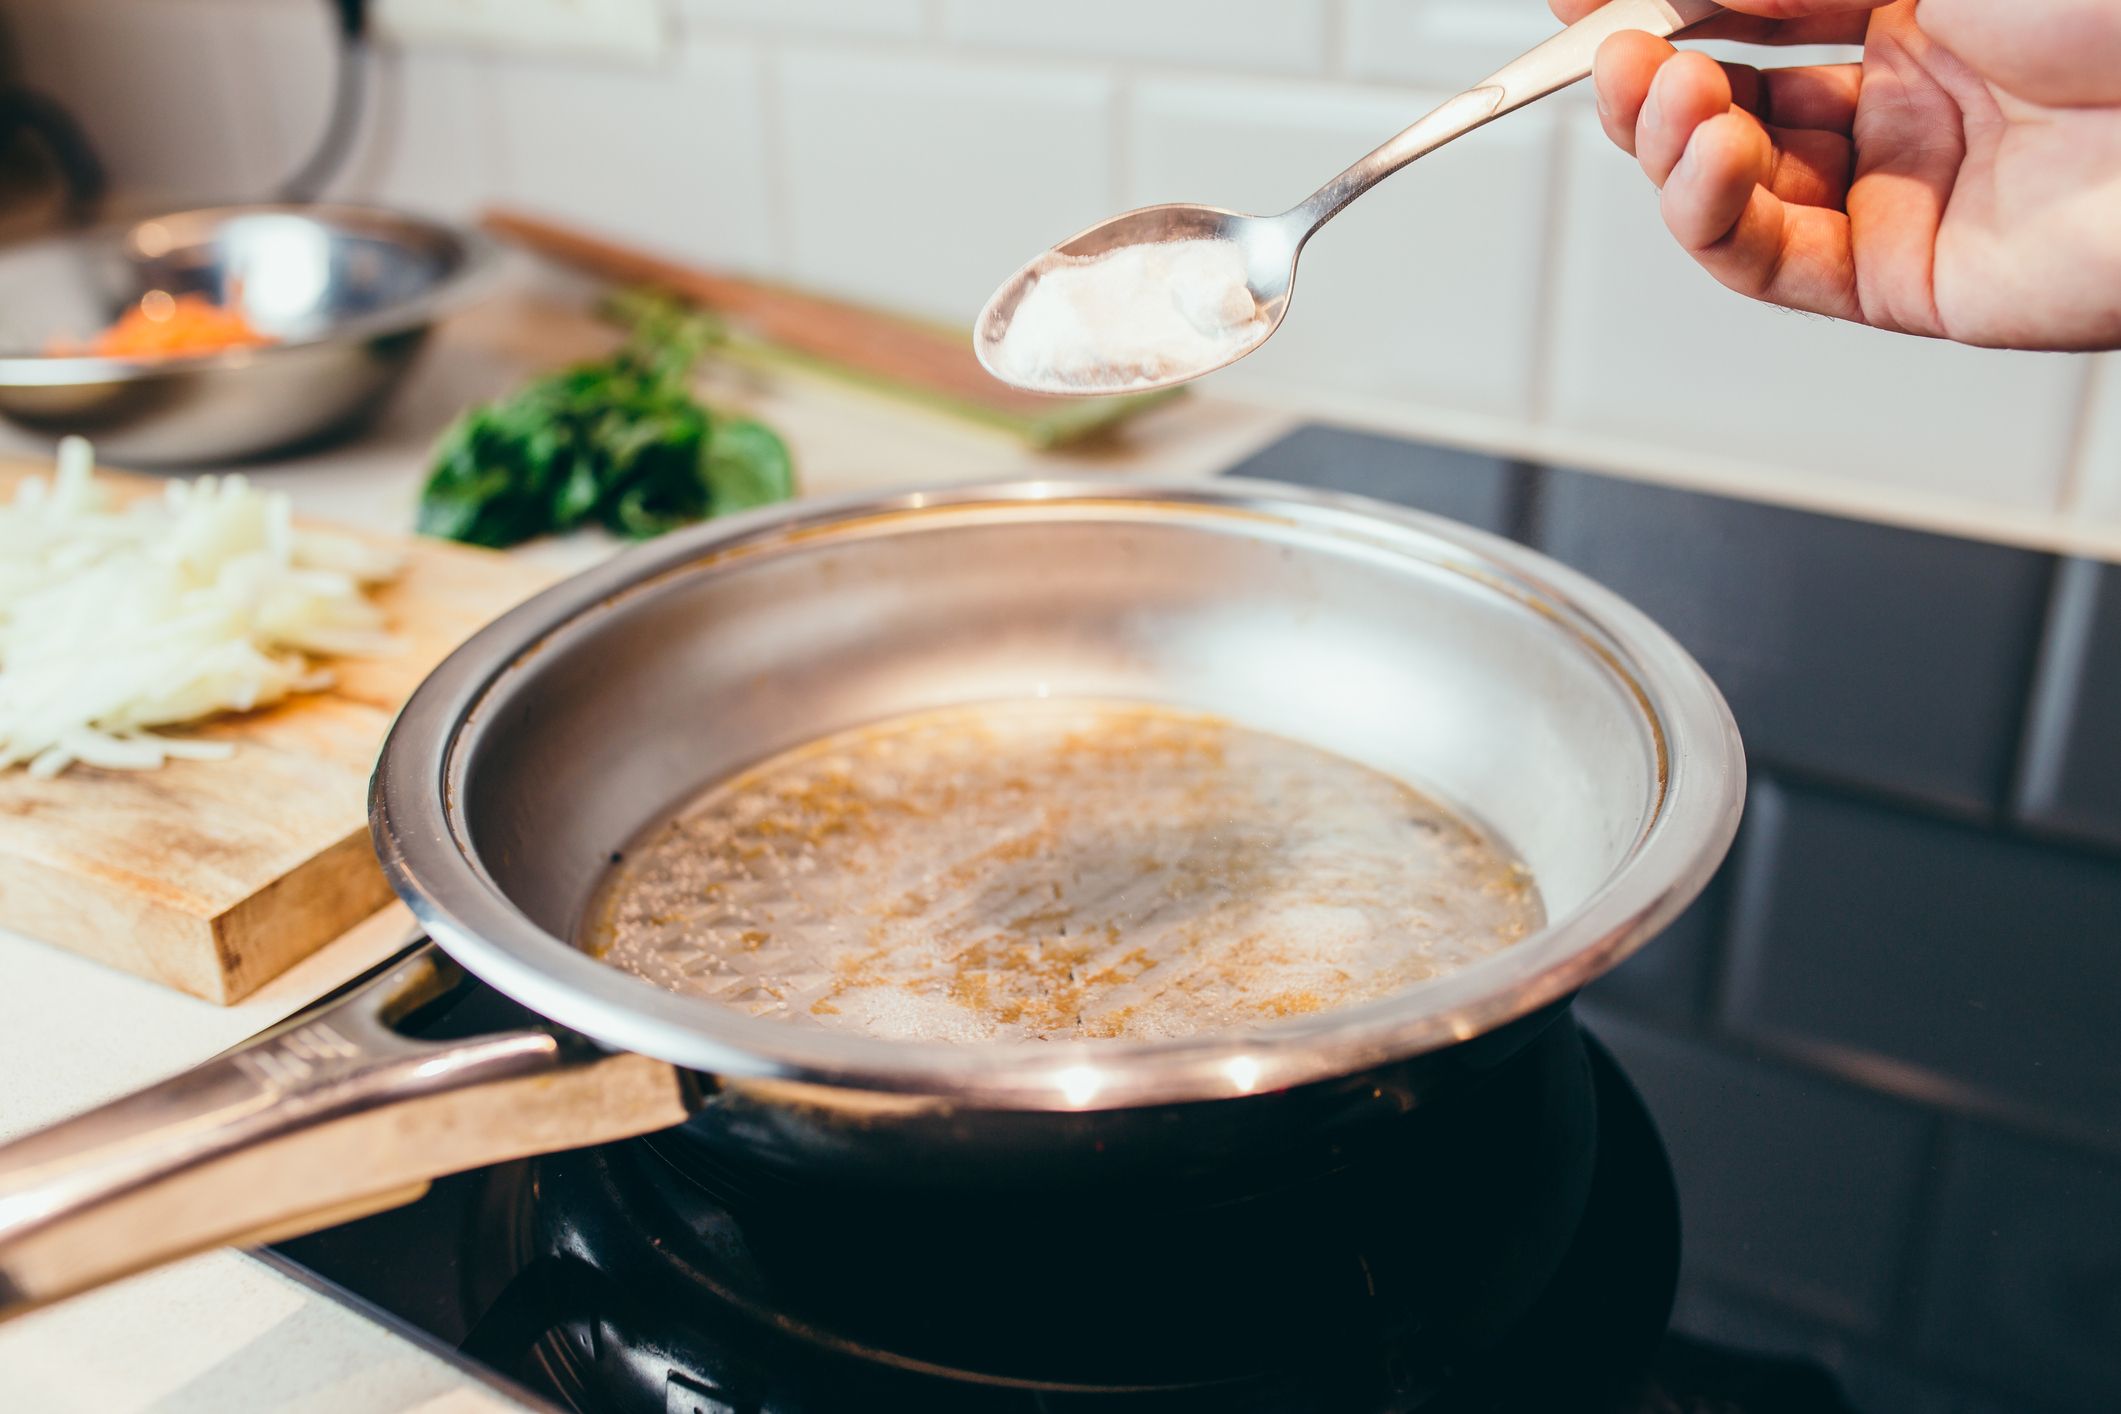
[
  {"x": 1426, "y": 289},
  {"x": 848, "y": 17},
  {"x": 1280, "y": 36},
  {"x": 427, "y": 141},
  {"x": 600, "y": 31},
  {"x": 919, "y": 185},
  {"x": 1647, "y": 345},
  {"x": 1449, "y": 43},
  {"x": 2099, "y": 464},
  {"x": 1515, "y": 290},
  {"x": 672, "y": 159}
]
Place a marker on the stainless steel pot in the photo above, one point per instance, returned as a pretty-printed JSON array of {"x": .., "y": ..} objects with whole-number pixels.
[{"x": 1506, "y": 683}]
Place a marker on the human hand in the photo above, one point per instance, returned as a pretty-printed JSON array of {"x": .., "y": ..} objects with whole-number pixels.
[{"x": 1963, "y": 181}]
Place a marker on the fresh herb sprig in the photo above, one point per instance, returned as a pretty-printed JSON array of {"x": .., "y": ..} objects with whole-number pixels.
[{"x": 620, "y": 443}]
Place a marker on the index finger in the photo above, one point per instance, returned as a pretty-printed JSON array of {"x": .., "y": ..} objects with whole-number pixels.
[{"x": 1765, "y": 21}]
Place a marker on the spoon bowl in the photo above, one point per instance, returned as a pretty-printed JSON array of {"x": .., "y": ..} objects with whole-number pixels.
[{"x": 1269, "y": 245}]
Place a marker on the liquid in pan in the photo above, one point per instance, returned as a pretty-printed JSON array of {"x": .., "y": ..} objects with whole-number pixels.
[{"x": 1057, "y": 870}]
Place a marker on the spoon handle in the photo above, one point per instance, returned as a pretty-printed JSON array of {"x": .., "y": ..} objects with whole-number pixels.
[{"x": 1559, "y": 62}]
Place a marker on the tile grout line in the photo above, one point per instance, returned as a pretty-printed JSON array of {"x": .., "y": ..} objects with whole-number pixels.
[
  {"x": 1751, "y": 866},
  {"x": 1919, "y": 1087},
  {"x": 1865, "y": 1073},
  {"x": 2053, "y": 678},
  {"x": 1719, "y": 901},
  {"x": 1917, "y": 1257},
  {"x": 2025, "y": 725}
]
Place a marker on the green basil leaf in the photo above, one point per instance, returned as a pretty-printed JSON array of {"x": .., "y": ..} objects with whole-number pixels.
[
  {"x": 580, "y": 487},
  {"x": 621, "y": 442},
  {"x": 747, "y": 465}
]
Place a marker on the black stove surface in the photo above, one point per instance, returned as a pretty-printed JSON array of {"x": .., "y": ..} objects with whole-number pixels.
[{"x": 625, "y": 1279}]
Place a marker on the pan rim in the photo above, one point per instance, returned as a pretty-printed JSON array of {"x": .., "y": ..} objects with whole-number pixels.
[{"x": 421, "y": 837}]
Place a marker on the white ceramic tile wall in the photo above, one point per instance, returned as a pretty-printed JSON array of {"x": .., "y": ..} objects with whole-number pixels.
[
  {"x": 849, "y": 17},
  {"x": 1644, "y": 344},
  {"x": 429, "y": 142},
  {"x": 671, "y": 158},
  {"x": 1450, "y": 43},
  {"x": 920, "y": 183},
  {"x": 1397, "y": 297},
  {"x": 1281, "y": 36},
  {"x": 2099, "y": 466},
  {"x": 810, "y": 139}
]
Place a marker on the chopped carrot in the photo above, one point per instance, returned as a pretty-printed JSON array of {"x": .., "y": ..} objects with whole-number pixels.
[{"x": 163, "y": 325}]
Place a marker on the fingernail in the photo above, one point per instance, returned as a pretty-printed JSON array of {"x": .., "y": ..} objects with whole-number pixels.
[
  {"x": 1652, "y": 111},
  {"x": 1605, "y": 109}
]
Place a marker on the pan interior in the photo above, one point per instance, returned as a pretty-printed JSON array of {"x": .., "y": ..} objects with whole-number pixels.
[
  {"x": 1408, "y": 655},
  {"x": 1057, "y": 870}
]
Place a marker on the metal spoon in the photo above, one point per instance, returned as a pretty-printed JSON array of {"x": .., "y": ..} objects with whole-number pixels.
[{"x": 1270, "y": 245}]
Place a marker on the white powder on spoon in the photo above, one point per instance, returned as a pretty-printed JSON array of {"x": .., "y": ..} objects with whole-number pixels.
[{"x": 1131, "y": 317}]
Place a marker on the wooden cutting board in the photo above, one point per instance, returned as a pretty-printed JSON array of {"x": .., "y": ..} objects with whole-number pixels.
[{"x": 215, "y": 876}]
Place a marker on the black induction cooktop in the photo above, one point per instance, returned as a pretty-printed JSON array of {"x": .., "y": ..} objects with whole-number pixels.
[{"x": 625, "y": 1278}]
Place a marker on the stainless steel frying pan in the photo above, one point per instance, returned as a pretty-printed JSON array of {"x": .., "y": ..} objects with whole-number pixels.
[{"x": 1503, "y": 682}]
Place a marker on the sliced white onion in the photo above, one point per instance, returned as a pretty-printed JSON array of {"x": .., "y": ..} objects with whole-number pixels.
[{"x": 117, "y": 620}]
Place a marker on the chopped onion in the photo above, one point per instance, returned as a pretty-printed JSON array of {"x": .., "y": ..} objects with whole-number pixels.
[{"x": 117, "y": 620}]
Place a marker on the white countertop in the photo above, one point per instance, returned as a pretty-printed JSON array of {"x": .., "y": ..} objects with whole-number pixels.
[{"x": 223, "y": 1332}]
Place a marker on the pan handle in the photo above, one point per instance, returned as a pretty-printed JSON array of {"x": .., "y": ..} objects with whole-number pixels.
[{"x": 330, "y": 1116}]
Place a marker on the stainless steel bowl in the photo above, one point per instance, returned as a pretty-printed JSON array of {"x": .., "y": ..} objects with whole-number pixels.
[{"x": 350, "y": 292}]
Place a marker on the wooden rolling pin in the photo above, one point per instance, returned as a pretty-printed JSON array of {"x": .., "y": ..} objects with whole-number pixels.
[{"x": 931, "y": 364}]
